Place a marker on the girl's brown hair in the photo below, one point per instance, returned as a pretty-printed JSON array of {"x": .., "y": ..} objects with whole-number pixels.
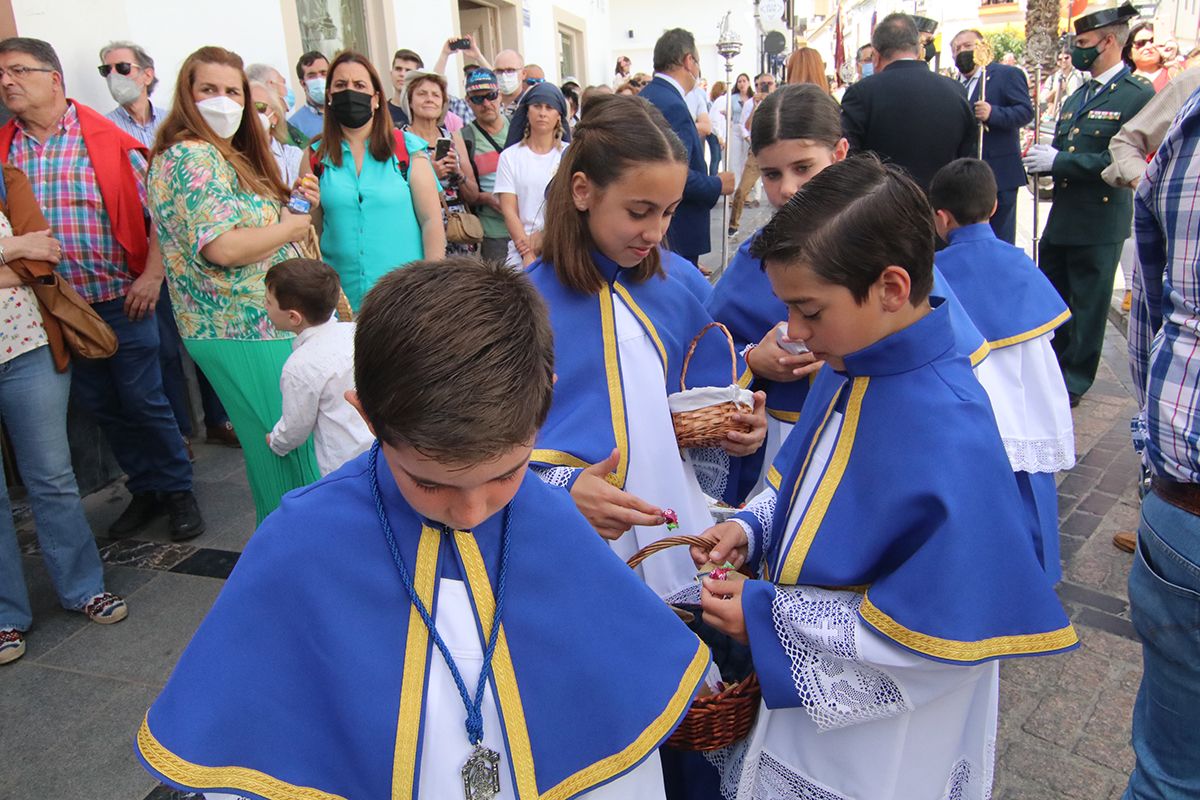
[
  {"x": 247, "y": 152},
  {"x": 614, "y": 134},
  {"x": 718, "y": 89},
  {"x": 380, "y": 140},
  {"x": 806, "y": 66}
]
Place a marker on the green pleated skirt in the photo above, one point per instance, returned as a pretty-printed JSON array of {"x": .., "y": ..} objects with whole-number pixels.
[{"x": 245, "y": 375}]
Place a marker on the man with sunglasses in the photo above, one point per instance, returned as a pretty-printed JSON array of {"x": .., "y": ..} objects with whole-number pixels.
[
  {"x": 129, "y": 72},
  {"x": 484, "y": 138}
]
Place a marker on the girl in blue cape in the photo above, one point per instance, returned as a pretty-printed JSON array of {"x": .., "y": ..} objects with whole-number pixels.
[
  {"x": 797, "y": 132},
  {"x": 896, "y": 556},
  {"x": 623, "y": 321},
  {"x": 1017, "y": 310},
  {"x": 421, "y": 623}
]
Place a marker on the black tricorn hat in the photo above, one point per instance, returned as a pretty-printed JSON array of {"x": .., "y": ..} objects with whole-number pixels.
[
  {"x": 1105, "y": 16},
  {"x": 925, "y": 24}
]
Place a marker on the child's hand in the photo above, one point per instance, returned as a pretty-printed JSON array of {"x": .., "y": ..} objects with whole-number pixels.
[
  {"x": 611, "y": 510},
  {"x": 770, "y": 361},
  {"x": 743, "y": 444},
  {"x": 721, "y": 602},
  {"x": 731, "y": 545}
]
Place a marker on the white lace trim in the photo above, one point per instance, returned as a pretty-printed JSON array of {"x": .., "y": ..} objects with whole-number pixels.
[
  {"x": 1041, "y": 455},
  {"x": 684, "y": 596},
  {"x": 959, "y": 782},
  {"x": 762, "y": 508},
  {"x": 728, "y": 762},
  {"x": 816, "y": 628},
  {"x": 771, "y": 779},
  {"x": 711, "y": 465},
  {"x": 555, "y": 476}
]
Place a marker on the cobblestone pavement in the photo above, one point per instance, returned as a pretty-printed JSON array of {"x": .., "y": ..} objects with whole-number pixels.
[{"x": 70, "y": 707}]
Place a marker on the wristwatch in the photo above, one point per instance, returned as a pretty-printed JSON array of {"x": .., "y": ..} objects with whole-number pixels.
[{"x": 3, "y": 259}]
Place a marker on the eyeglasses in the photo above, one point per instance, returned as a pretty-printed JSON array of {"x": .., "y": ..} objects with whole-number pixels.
[
  {"x": 20, "y": 71},
  {"x": 122, "y": 67},
  {"x": 480, "y": 99},
  {"x": 534, "y": 81},
  {"x": 261, "y": 107},
  {"x": 1143, "y": 43}
]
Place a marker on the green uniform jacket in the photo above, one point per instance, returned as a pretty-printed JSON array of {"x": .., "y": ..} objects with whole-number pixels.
[{"x": 1086, "y": 209}]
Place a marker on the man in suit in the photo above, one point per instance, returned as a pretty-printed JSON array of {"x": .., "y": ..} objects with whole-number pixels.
[
  {"x": 676, "y": 71},
  {"x": 1002, "y": 107},
  {"x": 1089, "y": 220},
  {"x": 908, "y": 115}
]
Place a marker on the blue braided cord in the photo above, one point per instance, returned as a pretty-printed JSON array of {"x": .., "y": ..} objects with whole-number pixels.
[{"x": 474, "y": 707}]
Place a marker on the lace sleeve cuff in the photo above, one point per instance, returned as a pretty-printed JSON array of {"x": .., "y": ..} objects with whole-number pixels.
[
  {"x": 711, "y": 465},
  {"x": 562, "y": 477}
]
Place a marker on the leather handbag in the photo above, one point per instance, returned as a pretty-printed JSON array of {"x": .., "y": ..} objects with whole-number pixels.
[
  {"x": 84, "y": 332},
  {"x": 462, "y": 227}
]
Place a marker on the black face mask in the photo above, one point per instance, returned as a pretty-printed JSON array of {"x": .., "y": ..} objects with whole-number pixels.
[
  {"x": 965, "y": 61},
  {"x": 930, "y": 51},
  {"x": 350, "y": 108}
]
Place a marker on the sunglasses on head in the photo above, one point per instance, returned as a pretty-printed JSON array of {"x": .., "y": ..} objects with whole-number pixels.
[
  {"x": 122, "y": 67},
  {"x": 480, "y": 99},
  {"x": 260, "y": 107}
]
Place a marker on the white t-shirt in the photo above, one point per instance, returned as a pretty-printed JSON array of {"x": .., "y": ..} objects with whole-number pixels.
[{"x": 526, "y": 174}]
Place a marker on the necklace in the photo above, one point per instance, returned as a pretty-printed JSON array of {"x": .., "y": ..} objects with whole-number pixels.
[{"x": 481, "y": 772}]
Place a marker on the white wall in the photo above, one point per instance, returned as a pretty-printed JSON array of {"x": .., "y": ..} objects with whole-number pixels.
[
  {"x": 169, "y": 30},
  {"x": 648, "y": 20}
]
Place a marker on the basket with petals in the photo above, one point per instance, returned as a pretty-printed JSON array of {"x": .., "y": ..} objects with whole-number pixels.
[
  {"x": 720, "y": 719},
  {"x": 702, "y": 416}
]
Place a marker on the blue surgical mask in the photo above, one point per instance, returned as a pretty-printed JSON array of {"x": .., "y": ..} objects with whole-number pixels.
[
  {"x": 316, "y": 90},
  {"x": 868, "y": 69},
  {"x": 290, "y": 98}
]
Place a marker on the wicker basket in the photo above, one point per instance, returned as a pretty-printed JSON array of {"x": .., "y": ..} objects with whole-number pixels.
[
  {"x": 718, "y": 720},
  {"x": 707, "y": 426}
]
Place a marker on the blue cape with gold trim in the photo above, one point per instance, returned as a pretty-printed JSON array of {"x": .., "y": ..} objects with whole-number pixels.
[
  {"x": 1007, "y": 297},
  {"x": 918, "y": 504},
  {"x": 307, "y": 678},
  {"x": 588, "y": 416}
]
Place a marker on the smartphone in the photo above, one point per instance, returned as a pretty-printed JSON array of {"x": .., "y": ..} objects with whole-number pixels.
[
  {"x": 442, "y": 148},
  {"x": 461, "y": 44}
]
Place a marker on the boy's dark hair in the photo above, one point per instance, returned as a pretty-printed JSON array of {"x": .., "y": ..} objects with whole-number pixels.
[
  {"x": 966, "y": 188},
  {"x": 672, "y": 48},
  {"x": 896, "y": 34},
  {"x": 600, "y": 150},
  {"x": 305, "y": 285},
  {"x": 404, "y": 54},
  {"x": 850, "y": 222},
  {"x": 307, "y": 60},
  {"x": 454, "y": 358}
]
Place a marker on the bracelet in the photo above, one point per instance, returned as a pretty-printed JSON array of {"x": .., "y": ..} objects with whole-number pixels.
[{"x": 746, "y": 350}]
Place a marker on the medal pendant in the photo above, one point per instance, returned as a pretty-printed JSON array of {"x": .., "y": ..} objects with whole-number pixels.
[{"x": 481, "y": 774}]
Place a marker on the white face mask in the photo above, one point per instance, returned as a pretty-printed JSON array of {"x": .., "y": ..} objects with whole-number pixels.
[
  {"x": 508, "y": 82},
  {"x": 123, "y": 88},
  {"x": 223, "y": 115},
  {"x": 266, "y": 122}
]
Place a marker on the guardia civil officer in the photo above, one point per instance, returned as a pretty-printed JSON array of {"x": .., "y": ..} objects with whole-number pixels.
[{"x": 1089, "y": 221}]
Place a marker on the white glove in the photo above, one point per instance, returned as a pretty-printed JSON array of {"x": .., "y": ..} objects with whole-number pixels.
[{"x": 1040, "y": 158}]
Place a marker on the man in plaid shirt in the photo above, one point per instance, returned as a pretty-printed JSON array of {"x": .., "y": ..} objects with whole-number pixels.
[
  {"x": 74, "y": 159},
  {"x": 1164, "y": 349}
]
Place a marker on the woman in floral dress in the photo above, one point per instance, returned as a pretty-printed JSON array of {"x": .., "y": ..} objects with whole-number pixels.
[{"x": 217, "y": 202}]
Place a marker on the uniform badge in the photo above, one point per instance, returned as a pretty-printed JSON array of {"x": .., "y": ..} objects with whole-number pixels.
[{"x": 1110, "y": 116}]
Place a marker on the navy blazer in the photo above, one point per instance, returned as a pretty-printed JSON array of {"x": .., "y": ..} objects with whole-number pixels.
[
  {"x": 1008, "y": 92},
  {"x": 689, "y": 232},
  {"x": 910, "y": 116}
]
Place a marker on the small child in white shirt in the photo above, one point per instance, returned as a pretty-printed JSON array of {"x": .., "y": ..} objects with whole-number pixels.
[{"x": 302, "y": 294}]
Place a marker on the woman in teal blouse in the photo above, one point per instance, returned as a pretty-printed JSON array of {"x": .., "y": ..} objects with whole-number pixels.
[{"x": 373, "y": 218}]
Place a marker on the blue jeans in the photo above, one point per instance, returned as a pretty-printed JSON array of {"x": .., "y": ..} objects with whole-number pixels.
[
  {"x": 170, "y": 359},
  {"x": 125, "y": 395},
  {"x": 33, "y": 406},
  {"x": 1164, "y": 595}
]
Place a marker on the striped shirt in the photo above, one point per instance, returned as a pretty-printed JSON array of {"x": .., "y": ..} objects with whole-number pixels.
[
  {"x": 1164, "y": 329},
  {"x": 65, "y": 187},
  {"x": 143, "y": 133}
]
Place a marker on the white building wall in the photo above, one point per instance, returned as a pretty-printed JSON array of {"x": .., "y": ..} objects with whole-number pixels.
[{"x": 169, "y": 30}]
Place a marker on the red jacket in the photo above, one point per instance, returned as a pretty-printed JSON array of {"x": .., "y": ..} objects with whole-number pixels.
[{"x": 108, "y": 149}]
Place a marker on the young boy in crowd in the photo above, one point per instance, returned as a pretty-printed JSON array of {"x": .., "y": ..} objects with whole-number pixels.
[
  {"x": 421, "y": 623},
  {"x": 1017, "y": 310},
  {"x": 302, "y": 294},
  {"x": 896, "y": 555}
]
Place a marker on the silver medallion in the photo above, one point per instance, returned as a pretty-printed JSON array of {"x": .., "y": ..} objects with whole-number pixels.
[{"x": 481, "y": 774}]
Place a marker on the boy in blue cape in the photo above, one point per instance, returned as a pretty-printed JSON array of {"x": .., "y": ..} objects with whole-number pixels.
[
  {"x": 421, "y": 623},
  {"x": 896, "y": 554},
  {"x": 1017, "y": 310}
]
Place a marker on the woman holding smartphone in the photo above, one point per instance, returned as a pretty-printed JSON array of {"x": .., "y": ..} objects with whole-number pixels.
[
  {"x": 426, "y": 102},
  {"x": 379, "y": 195}
]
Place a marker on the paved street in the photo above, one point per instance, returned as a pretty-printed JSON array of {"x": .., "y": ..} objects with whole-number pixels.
[{"x": 71, "y": 706}]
